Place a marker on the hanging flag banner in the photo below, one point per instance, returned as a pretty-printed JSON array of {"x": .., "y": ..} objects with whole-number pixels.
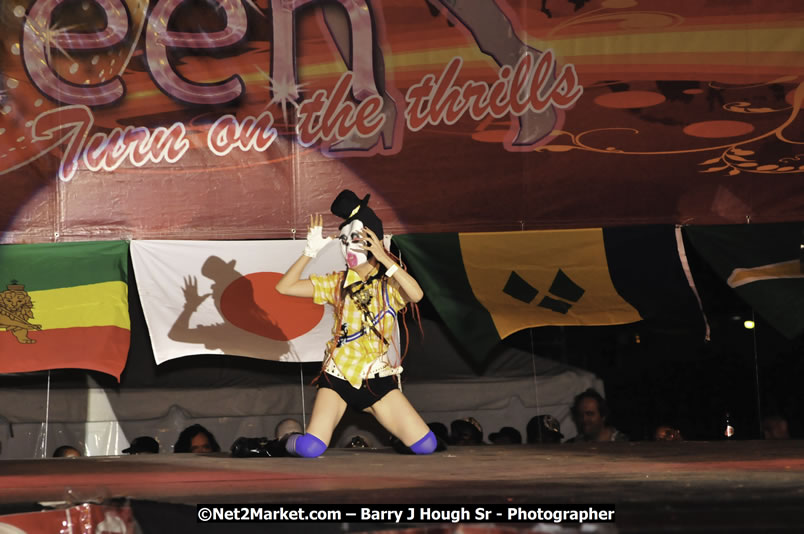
[
  {"x": 763, "y": 264},
  {"x": 219, "y": 297},
  {"x": 64, "y": 305},
  {"x": 489, "y": 285}
]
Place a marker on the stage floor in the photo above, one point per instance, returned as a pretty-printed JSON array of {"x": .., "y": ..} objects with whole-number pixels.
[{"x": 747, "y": 486}]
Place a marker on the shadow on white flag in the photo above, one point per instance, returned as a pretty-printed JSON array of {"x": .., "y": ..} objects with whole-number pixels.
[{"x": 219, "y": 297}]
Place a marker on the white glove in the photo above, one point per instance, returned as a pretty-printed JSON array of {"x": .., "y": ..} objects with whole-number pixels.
[{"x": 315, "y": 240}]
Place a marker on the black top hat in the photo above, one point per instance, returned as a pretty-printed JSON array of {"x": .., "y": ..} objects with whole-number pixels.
[
  {"x": 349, "y": 207},
  {"x": 142, "y": 444}
]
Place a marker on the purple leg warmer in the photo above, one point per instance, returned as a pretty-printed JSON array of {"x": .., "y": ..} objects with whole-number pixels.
[
  {"x": 426, "y": 445},
  {"x": 306, "y": 445}
]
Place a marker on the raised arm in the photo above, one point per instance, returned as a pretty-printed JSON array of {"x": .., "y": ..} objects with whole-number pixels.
[
  {"x": 408, "y": 286},
  {"x": 291, "y": 283}
]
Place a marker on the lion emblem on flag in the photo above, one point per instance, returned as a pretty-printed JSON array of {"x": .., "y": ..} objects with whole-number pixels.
[{"x": 16, "y": 308}]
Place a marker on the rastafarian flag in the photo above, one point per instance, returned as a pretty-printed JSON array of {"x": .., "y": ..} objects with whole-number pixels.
[
  {"x": 487, "y": 286},
  {"x": 64, "y": 305},
  {"x": 761, "y": 262}
]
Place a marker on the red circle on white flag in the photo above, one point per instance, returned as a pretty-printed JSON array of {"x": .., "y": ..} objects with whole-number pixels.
[{"x": 252, "y": 303}]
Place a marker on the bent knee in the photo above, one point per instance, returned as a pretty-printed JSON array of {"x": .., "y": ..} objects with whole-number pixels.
[
  {"x": 426, "y": 445},
  {"x": 305, "y": 445}
]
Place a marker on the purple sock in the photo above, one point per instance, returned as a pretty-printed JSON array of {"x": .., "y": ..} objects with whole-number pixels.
[
  {"x": 426, "y": 445},
  {"x": 306, "y": 445}
]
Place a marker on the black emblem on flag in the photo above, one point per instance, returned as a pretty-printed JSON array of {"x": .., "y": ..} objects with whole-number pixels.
[
  {"x": 565, "y": 288},
  {"x": 520, "y": 289},
  {"x": 556, "y": 305},
  {"x": 562, "y": 287}
]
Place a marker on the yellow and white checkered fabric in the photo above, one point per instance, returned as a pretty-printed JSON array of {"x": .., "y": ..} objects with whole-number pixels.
[{"x": 354, "y": 358}]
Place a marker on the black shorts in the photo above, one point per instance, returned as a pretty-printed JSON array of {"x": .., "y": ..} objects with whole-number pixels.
[{"x": 362, "y": 398}]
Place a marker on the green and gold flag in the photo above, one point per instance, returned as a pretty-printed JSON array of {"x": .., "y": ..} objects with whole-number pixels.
[
  {"x": 763, "y": 264},
  {"x": 64, "y": 305},
  {"x": 486, "y": 286}
]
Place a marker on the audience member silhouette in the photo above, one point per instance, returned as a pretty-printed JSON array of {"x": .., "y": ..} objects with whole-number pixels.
[
  {"x": 358, "y": 442},
  {"x": 196, "y": 439},
  {"x": 544, "y": 429},
  {"x": 775, "y": 427},
  {"x": 591, "y": 413},
  {"x": 667, "y": 433},
  {"x": 143, "y": 445},
  {"x": 466, "y": 431},
  {"x": 507, "y": 435},
  {"x": 66, "y": 451}
]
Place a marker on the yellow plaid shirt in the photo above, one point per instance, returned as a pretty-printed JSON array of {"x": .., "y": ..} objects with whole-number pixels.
[{"x": 355, "y": 359}]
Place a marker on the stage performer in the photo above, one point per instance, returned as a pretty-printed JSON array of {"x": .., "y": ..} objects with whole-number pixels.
[{"x": 367, "y": 298}]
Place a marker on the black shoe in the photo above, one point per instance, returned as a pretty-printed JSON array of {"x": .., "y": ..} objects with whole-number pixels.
[
  {"x": 400, "y": 447},
  {"x": 441, "y": 445},
  {"x": 258, "y": 447}
]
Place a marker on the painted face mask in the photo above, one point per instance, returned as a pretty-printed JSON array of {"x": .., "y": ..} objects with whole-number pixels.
[{"x": 352, "y": 244}]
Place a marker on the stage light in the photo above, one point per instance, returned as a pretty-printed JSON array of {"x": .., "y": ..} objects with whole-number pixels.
[{"x": 749, "y": 324}]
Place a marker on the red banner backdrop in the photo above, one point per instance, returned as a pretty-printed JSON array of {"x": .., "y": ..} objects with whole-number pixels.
[{"x": 210, "y": 119}]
